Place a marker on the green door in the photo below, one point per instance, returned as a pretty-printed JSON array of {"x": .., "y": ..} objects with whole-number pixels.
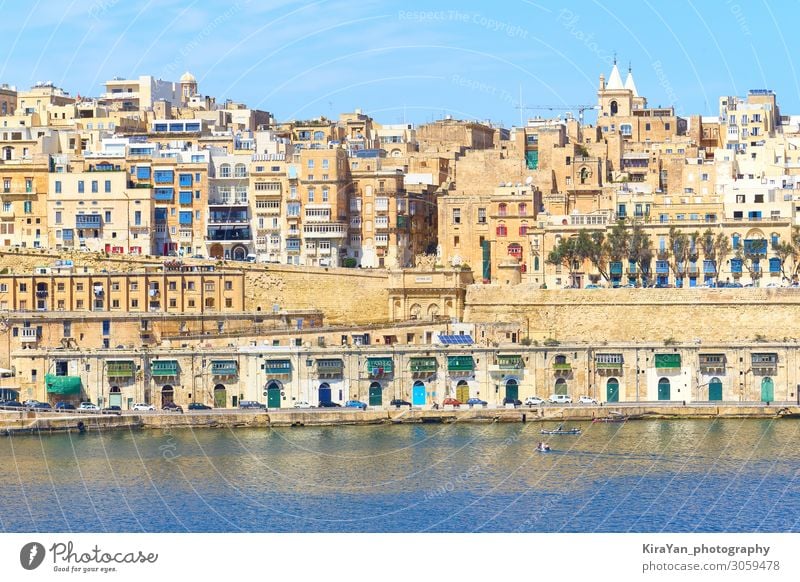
[
  {"x": 715, "y": 390},
  {"x": 512, "y": 390},
  {"x": 375, "y": 394},
  {"x": 220, "y": 397},
  {"x": 561, "y": 386},
  {"x": 663, "y": 389},
  {"x": 273, "y": 395},
  {"x": 612, "y": 390},
  {"x": 767, "y": 390},
  {"x": 462, "y": 391},
  {"x": 115, "y": 399}
]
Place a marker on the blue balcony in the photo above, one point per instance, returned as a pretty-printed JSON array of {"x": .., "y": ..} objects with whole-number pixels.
[
  {"x": 662, "y": 267},
  {"x": 755, "y": 246},
  {"x": 774, "y": 265},
  {"x": 736, "y": 265},
  {"x": 164, "y": 194},
  {"x": 709, "y": 267},
  {"x": 616, "y": 268},
  {"x": 88, "y": 221}
]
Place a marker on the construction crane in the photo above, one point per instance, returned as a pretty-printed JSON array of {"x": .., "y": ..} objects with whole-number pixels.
[{"x": 579, "y": 108}]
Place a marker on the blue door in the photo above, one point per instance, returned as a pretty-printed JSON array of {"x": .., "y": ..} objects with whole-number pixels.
[
  {"x": 767, "y": 390},
  {"x": 663, "y": 389},
  {"x": 324, "y": 392},
  {"x": 612, "y": 390},
  {"x": 418, "y": 394},
  {"x": 715, "y": 390}
]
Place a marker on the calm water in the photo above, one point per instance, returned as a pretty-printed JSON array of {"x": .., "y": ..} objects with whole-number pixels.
[{"x": 675, "y": 476}]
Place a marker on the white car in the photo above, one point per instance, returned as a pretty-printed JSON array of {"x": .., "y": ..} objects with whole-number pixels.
[
  {"x": 533, "y": 401},
  {"x": 560, "y": 399},
  {"x": 143, "y": 406},
  {"x": 89, "y": 406},
  {"x": 302, "y": 404},
  {"x": 586, "y": 400}
]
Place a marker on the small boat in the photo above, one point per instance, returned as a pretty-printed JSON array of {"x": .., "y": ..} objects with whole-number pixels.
[
  {"x": 613, "y": 417},
  {"x": 543, "y": 448},
  {"x": 561, "y": 430}
]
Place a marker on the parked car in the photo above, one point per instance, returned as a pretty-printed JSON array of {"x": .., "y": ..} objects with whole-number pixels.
[
  {"x": 399, "y": 402},
  {"x": 251, "y": 404},
  {"x": 113, "y": 409},
  {"x": 198, "y": 406},
  {"x": 592, "y": 286},
  {"x": 586, "y": 400},
  {"x": 30, "y": 403},
  {"x": 302, "y": 404},
  {"x": 355, "y": 404},
  {"x": 12, "y": 404},
  {"x": 513, "y": 401},
  {"x": 172, "y": 407},
  {"x": 533, "y": 401},
  {"x": 329, "y": 405},
  {"x": 451, "y": 402},
  {"x": 141, "y": 406},
  {"x": 89, "y": 406},
  {"x": 41, "y": 407},
  {"x": 476, "y": 402},
  {"x": 64, "y": 406},
  {"x": 560, "y": 399}
]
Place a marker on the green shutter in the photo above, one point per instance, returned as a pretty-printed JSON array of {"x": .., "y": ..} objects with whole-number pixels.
[
  {"x": 224, "y": 368},
  {"x": 507, "y": 362},
  {"x": 164, "y": 368},
  {"x": 278, "y": 367},
  {"x": 532, "y": 160},
  {"x": 419, "y": 365},
  {"x": 668, "y": 360},
  {"x": 380, "y": 366},
  {"x": 62, "y": 385},
  {"x": 460, "y": 364},
  {"x": 120, "y": 369},
  {"x": 330, "y": 368}
]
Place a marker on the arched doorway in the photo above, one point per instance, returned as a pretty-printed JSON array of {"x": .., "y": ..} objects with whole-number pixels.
[
  {"x": 167, "y": 395},
  {"x": 433, "y": 311},
  {"x": 418, "y": 393},
  {"x": 216, "y": 252},
  {"x": 274, "y": 394},
  {"x": 767, "y": 390},
  {"x": 324, "y": 392},
  {"x": 612, "y": 390},
  {"x": 715, "y": 389},
  {"x": 561, "y": 387},
  {"x": 462, "y": 391},
  {"x": 375, "y": 394},
  {"x": 663, "y": 389},
  {"x": 115, "y": 396},
  {"x": 220, "y": 396},
  {"x": 512, "y": 389},
  {"x": 239, "y": 253}
]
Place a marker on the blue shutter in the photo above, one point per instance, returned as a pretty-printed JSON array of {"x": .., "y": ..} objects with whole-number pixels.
[
  {"x": 185, "y": 217},
  {"x": 185, "y": 197}
]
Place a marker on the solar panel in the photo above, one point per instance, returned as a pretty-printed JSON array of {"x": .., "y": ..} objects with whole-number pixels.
[{"x": 456, "y": 339}]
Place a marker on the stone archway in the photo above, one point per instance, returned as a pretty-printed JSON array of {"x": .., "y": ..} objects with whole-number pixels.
[
  {"x": 433, "y": 311},
  {"x": 220, "y": 396},
  {"x": 216, "y": 251},
  {"x": 239, "y": 253},
  {"x": 167, "y": 395}
]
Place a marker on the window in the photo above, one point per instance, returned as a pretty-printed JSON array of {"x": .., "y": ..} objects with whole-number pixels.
[
  {"x": 311, "y": 195},
  {"x": 481, "y": 216},
  {"x": 456, "y": 216},
  {"x": 310, "y": 164},
  {"x": 502, "y": 230},
  {"x": 80, "y": 187},
  {"x": 94, "y": 186},
  {"x": 502, "y": 209},
  {"x": 666, "y": 126}
]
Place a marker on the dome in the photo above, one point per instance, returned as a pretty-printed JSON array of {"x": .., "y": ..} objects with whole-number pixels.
[{"x": 187, "y": 77}]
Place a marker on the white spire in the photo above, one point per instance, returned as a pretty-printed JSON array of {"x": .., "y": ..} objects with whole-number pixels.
[
  {"x": 614, "y": 79},
  {"x": 630, "y": 85}
]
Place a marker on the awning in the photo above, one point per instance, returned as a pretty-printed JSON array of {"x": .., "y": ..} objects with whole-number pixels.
[{"x": 62, "y": 385}]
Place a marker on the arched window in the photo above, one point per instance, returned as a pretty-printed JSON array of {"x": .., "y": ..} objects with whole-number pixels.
[
  {"x": 502, "y": 209},
  {"x": 523, "y": 209},
  {"x": 614, "y": 108},
  {"x": 736, "y": 238},
  {"x": 584, "y": 174},
  {"x": 319, "y": 135},
  {"x": 502, "y": 230},
  {"x": 515, "y": 250},
  {"x": 225, "y": 171},
  {"x": 625, "y": 129},
  {"x": 240, "y": 171},
  {"x": 775, "y": 238}
]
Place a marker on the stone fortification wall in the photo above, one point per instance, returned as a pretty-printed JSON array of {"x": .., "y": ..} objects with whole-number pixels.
[{"x": 640, "y": 314}]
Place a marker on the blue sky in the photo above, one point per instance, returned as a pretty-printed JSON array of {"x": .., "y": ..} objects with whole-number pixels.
[{"x": 410, "y": 60}]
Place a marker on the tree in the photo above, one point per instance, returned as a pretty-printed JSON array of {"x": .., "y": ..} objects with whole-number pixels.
[
  {"x": 679, "y": 246},
  {"x": 617, "y": 243},
  {"x": 566, "y": 254},
  {"x": 593, "y": 247},
  {"x": 784, "y": 251},
  {"x": 722, "y": 248},
  {"x": 640, "y": 251}
]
